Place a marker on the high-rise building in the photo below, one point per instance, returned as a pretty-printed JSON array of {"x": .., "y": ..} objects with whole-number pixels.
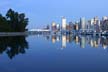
[
  {"x": 77, "y": 25},
  {"x": 70, "y": 26},
  {"x": 58, "y": 27},
  {"x": 96, "y": 20},
  {"x": 88, "y": 25},
  {"x": 104, "y": 18},
  {"x": 91, "y": 24},
  {"x": 104, "y": 23},
  {"x": 63, "y": 23},
  {"x": 96, "y": 24},
  {"x": 83, "y": 23},
  {"x": 53, "y": 26}
]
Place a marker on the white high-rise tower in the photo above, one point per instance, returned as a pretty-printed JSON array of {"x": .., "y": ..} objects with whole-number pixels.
[{"x": 63, "y": 23}]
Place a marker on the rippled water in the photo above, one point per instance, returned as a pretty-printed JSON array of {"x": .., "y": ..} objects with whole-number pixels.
[{"x": 54, "y": 53}]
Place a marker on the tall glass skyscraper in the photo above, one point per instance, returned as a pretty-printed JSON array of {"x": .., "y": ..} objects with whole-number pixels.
[{"x": 83, "y": 23}]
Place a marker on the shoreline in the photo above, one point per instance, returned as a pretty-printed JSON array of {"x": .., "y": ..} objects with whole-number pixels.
[{"x": 49, "y": 32}]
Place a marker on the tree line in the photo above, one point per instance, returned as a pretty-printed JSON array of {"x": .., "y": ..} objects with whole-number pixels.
[{"x": 13, "y": 22}]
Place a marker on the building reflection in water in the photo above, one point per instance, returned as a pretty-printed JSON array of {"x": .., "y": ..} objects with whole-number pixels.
[
  {"x": 82, "y": 42},
  {"x": 13, "y": 46},
  {"x": 55, "y": 38},
  {"x": 93, "y": 41},
  {"x": 64, "y": 41},
  {"x": 58, "y": 38},
  {"x": 104, "y": 42},
  {"x": 77, "y": 39}
]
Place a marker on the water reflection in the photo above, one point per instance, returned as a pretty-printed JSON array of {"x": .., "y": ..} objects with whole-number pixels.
[
  {"x": 83, "y": 41},
  {"x": 64, "y": 39},
  {"x": 13, "y": 46}
]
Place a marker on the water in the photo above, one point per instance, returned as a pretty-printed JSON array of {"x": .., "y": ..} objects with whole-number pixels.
[{"x": 54, "y": 53}]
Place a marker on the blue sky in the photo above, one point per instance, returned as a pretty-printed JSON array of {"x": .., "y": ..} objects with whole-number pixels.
[{"x": 43, "y": 12}]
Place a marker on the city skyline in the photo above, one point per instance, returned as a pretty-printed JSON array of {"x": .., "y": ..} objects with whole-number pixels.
[
  {"x": 42, "y": 12},
  {"x": 95, "y": 24}
]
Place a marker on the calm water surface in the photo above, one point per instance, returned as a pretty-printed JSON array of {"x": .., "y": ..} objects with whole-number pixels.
[{"x": 54, "y": 53}]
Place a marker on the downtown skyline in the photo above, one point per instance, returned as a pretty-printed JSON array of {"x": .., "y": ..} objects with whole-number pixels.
[
  {"x": 42, "y": 12},
  {"x": 94, "y": 24}
]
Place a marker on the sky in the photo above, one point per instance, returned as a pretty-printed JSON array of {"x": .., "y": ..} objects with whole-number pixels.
[{"x": 43, "y": 12}]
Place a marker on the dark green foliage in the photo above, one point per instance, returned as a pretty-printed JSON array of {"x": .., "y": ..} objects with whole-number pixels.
[{"x": 13, "y": 22}]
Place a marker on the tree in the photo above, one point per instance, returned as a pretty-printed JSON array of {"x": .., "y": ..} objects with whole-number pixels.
[
  {"x": 4, "y": 26},
  {"x": 17, "y": 21},
  {"x": 23, "y": 22}
]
